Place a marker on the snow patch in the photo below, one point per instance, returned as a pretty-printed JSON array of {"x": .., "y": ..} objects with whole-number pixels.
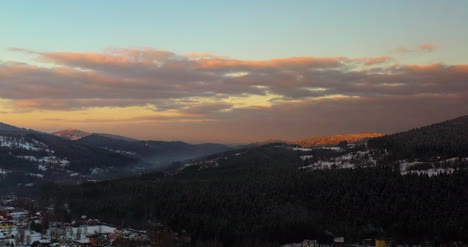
[
  {"x": 301, "y": 149},
  {"x": 23, "y": 143}
]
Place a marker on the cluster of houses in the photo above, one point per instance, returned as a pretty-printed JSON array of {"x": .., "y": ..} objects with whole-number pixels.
[{"x": 22, "y": 228}]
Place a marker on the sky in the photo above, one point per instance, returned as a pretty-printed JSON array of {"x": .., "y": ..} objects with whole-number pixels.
[{"x": 232, "y": 71}]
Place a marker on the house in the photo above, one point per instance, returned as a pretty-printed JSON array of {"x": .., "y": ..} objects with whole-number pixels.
[
  {"x": 381, "y": 243},
  {"x": 368, "y": 242},
  {"x": 7, "y": 225},
  {"x": 5, "y": 215},
  {"x": 338, "y": 242}
]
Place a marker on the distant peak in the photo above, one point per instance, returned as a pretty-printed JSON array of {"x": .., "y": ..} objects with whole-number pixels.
[
  {"x": 71, "y": 130},
  {"x": 335, "y": 139},
  {"x": 72, "y": 134}
]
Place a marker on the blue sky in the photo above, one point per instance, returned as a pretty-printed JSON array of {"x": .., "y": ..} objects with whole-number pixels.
[{"x": 241, "y": 29}]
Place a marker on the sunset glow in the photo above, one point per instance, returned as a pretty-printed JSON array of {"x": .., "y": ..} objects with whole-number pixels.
[{"x": 175, "y": 93}]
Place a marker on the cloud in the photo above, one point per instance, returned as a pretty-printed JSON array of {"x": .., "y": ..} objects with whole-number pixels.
[
  {"x": 205, "y": 56},
  {"x": 420, "y": 48},
  {"x": 426, "y": 47},
  {"x": 204, "y": 87},
  {"x": 207, "y": 108},
  {"x": 138, "y": 77},
  {"x": 368, "y": 61},
  {"x": 402, "y": 49}
]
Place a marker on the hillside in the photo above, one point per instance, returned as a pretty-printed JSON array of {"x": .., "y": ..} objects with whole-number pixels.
[
  {"x": 29, "y": 157},
  {"x": 158, "y": 153},
  {"x": 117, "y": 137},
  {"x": 446, "y": 139},
  {"x": 334, "y": 139},
  {"x": 260, "y": 198},
  {"x": 32, "y": 157},
  {"x": 6, "y": 127}
]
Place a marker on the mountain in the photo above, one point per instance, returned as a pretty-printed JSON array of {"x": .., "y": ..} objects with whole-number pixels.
[
  {"x": 28, "y": 156},
  {"x": 160, "y": 153},
  {"x": 72, "y": 134},
  {"x": 433, "y": 150},
  {"x": 334, "y": 139},
  {"x": 260, "y": 196},
  {"x": 6, "y": 127},
  {"x": 446, "y": 139},
  {"x": 258, "y": 144},
  {"x": 32, "y": 157},
  {"x": 117, "y": 137}
]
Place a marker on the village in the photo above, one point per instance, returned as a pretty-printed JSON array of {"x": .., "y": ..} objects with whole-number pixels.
[{"x": 33, "y": 228}]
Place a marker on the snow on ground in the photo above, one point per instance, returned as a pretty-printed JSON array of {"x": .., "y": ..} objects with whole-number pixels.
[
  {"x": 120, "y": 151},
  {"x": 3, "y": 172},
  {"x": 22, "y": 143},
  {"x": 49, "y": 160},
  {"x": 405, "y": 165},
  {"x": 86, "y": 231},
  {"x": 34, "y": 236},
  {"x": 71, "y": 233},
  {"x": 430, "y": 172},
  {"x": 35, "y": 175},
  {"x": 349, "y": 160},
  {"x": 301, "y": 149},
  {"x": 96, "y": 171},
  {"x": 304, "y": 157},
  {"x": 18, "y": 214},
  {"x": 429, "y": 168},
  {"x": 366, "y": 158},
  {"x": 333, "y": 148}
]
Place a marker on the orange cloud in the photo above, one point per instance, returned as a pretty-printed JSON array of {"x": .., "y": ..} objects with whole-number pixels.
[
  {"x": 168, "y": 116},
  {"x": 269, "y": 64},
  {"x": 368, "y": 61},
  {"x": 426, "y": 47},
  {"x": 205, "y": 56},
  {"x": 164, "y": 80},
  {"x": 419, "y": 48}
]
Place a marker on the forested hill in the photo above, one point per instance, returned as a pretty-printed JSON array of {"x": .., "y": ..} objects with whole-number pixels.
[
  {"x": 446, "y": 139},
  {"x": 260, "y": 198}
]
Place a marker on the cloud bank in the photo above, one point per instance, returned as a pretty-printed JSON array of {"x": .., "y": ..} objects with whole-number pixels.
[{"x": 312, "y": 95}]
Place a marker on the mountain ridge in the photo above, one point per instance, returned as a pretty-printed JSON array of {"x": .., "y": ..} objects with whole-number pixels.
[
  {"x": 71, "y": 134},
  {"x": 447, "y": 139},
  {"x": 7, "y": 127},
  {"x": 334, "y": 139}
]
